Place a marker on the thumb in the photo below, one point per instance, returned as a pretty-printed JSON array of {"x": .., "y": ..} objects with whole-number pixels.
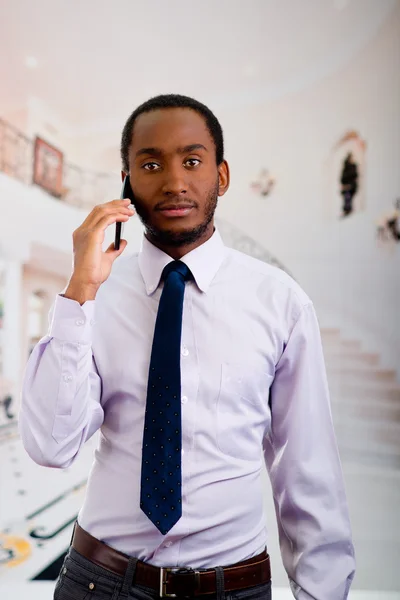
[{"x": 115, "y": 253}]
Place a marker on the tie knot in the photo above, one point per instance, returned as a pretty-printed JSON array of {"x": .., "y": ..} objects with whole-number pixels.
[{"x": 177, "y": 266}]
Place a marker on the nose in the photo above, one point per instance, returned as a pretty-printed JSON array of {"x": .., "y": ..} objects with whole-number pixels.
[{"x": 175, "y": 183}]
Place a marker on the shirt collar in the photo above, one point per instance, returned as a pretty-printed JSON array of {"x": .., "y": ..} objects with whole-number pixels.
[{"x": 204, "y": 262}]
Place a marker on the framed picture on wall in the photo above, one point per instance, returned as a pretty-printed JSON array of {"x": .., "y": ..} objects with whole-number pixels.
[{"x": 48, "y": 167}]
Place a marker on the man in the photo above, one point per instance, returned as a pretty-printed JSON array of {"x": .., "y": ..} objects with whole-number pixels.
[{"x": 199, "y": 357}]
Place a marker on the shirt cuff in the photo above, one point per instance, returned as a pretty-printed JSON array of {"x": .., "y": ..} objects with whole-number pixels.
[{"x": 72, "y": 322}]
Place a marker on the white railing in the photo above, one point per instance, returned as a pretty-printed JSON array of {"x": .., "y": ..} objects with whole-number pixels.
[{"x": 80, "y": 187}]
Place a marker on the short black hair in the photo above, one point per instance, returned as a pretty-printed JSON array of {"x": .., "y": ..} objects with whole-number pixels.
[{"x": 172, "y": 101}]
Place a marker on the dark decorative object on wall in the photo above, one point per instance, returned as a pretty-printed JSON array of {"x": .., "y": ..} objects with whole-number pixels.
[
  {"x": 345, "y": 175},
  {"x": 48, "y": 167},
  {"x": 349, "y": 183},
  {"x": 6, "y": 404},
  {"x": 388, "y": 227},
  {"x": 7, "y": 414},
  {"x": 264, "y": 183}
]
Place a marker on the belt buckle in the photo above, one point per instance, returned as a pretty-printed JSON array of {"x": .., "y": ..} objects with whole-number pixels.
[{"x": 164, "y": 579}]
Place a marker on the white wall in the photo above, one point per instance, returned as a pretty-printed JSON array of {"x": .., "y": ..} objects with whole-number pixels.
[{"x": 354, "y": 283}]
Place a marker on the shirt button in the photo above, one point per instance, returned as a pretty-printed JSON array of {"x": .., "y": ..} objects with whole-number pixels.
[
  {"x": 92, "y": 322},
  {"x": 67, "y": 378},
  {"x": 91, "y": 586},
  {"x": 185, "y": 351},
  {"x": 168, "y": 544},
  {"x": 79, "y": 322},
  {"x": 184, "y": 399}
]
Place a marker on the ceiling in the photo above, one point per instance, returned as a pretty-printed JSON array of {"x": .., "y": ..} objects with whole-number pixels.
[{"x": 97, "y": 59}]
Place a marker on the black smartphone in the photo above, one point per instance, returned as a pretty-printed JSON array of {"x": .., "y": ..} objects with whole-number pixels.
[{"x": 125, "y": 193}]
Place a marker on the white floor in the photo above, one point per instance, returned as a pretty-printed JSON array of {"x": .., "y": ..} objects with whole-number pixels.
[{"x": 43, "y": 501}]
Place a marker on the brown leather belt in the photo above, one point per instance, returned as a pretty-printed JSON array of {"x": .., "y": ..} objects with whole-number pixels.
[{"x": 173, "y": 581}]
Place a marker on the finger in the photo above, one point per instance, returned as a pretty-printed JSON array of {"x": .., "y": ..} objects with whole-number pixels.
[
  {"x": 112, "y": 252},
  {"x": 108, "y": 207},
  {"x": 97, "y": 232},
  {"x": 120, "y": 202},
  {"x": 125, "y": 211},
  {"x": 105, "y": 209},
  {"x": 116, "y": 214}
]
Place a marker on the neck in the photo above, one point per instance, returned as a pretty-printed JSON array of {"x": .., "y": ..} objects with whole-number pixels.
[{"x": 178, "y": 252}]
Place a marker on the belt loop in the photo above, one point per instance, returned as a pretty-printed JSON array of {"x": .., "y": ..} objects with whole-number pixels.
[
  {"x": 220, "y": 583},
  {"x": 128, "y": 577}
]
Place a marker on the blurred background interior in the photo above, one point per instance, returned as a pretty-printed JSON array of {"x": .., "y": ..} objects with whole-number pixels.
[{"x": 308, "y": 94}]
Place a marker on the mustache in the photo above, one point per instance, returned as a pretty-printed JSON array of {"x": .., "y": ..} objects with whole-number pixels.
[{"x": 173, "y": 203}]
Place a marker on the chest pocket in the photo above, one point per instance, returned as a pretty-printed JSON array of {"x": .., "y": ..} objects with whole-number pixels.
[{"x": 243, "y": 412}]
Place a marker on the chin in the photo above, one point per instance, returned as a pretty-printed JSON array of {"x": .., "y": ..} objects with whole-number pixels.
[{"x": 178, "y": 235}]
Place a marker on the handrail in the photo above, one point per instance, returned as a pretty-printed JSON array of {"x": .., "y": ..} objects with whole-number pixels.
[
  {"x": 237, "y": 239},
  {"x": 13, "y": 128},
  {"x": 85, "y": 188},
  {"x": 82, "y": 188}
]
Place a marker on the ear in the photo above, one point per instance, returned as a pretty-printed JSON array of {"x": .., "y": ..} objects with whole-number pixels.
[
  {"x": 223, "y": 178},
  {"x": 123, "y": 175}
]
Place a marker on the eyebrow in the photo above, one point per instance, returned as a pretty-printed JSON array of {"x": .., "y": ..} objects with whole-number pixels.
[{"x": 159, "y": 152}]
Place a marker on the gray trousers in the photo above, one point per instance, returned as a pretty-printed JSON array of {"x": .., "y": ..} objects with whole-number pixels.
[{"x": 80, "y": 579}]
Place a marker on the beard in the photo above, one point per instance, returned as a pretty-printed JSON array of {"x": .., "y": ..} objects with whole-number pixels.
[{"x": 169, "y": 237}]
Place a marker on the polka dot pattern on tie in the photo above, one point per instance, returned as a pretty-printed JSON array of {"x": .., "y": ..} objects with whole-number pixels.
[{"x": 161, "y": 478}]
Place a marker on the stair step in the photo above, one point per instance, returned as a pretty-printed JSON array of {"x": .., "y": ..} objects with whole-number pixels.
[
  {"x": 360, "y": 402},
  {"x": 330, "y": 332},
  {"x": 351, "y": 344},
  {"x": 372, "y": 390},
  {"x": 362, "y": 373},
  {"x": 365, "y": 402},
  {"x": 378, "y": 412},
  {"x": 371, "y": 449},
  {"x": 350, "y": 357},
  {"x": 341, "y": 344},
  {"x": 369, "y": 458},
  {"x": 361, "y": 386},
  {"x": 380, "y": 409},
  {"x": 377, "y": 436}
]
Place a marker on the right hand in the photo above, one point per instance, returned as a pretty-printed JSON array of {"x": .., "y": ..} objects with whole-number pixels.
[{"x": 92, "y": 266}]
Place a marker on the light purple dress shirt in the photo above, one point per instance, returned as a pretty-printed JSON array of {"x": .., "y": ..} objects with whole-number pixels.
[{"x": 254, "y": 388}]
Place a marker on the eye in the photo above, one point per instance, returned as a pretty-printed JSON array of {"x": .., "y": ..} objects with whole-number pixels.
[
  {"x": 192, "y": 162},
  {"x": 151, "y": 166}
]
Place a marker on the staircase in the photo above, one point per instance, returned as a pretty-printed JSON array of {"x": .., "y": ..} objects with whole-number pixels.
[{"x": 365, "y": 402}]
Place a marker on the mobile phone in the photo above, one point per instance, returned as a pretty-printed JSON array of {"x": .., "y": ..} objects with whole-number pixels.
[{"x": 119, "y": 227}]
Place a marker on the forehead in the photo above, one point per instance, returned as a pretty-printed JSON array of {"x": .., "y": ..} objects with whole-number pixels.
[{"x": 170, "y": 128}]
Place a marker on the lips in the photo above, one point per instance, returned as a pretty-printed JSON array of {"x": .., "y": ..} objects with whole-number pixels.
[
  {"x": 175, "y": 206},
  {"x": 176, "y": 210}
]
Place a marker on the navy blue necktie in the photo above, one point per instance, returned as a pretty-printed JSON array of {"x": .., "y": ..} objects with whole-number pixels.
[{"x": 161, "y": 478}]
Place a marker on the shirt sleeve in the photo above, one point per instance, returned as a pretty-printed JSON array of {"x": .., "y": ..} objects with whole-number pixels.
[
  {"x": 303, "y": 463},
  {"x": 61, "y": 387}
]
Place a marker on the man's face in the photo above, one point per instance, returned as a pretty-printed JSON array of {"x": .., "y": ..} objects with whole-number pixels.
[{"x": 174, "y": 175}]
